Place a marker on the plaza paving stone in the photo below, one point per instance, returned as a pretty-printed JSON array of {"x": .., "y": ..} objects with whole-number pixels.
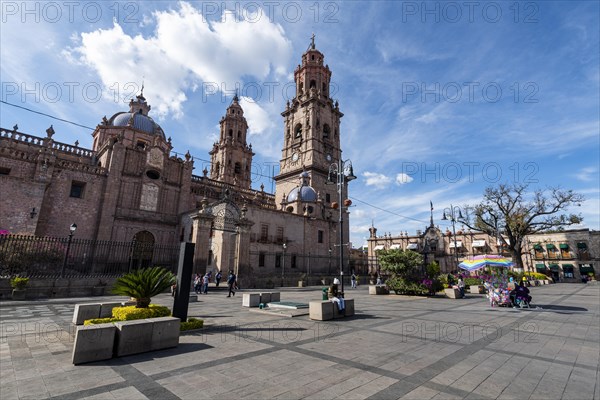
[{"x": 395, "y": 347}]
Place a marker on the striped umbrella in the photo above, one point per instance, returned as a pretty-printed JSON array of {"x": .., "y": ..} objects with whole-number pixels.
[{"x": 485, "y": 260}]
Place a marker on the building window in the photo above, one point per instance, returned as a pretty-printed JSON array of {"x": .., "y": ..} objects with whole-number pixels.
[
  {"x": 278, "y": 261},
  {"x": 77, "y": 189},
  {"x": 261, "y": 259},
  {"x": 141, "y": 145},
  {"x": 280, "y": 234},
  {"x": 327, "y": 198},
  {"x": 239, "y": 134},
  {"x": 264, "y": 233},
  {"x": 293, "y": 261},
  {"x": 568, "y": 270},
  {"x": 230, "y": 133},
  {"x": 326, "y": 131},
  {"x": 320, "y": 236},
  {"x": 237, "y": 169},
  {"x": 298, "y": 131},
  {"x": 4, "y": 171}
]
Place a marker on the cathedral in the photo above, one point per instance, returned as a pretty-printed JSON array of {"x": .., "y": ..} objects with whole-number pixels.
[{"x": 131, "y": 187}]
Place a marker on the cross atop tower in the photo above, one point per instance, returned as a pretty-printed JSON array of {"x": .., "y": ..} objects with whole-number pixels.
[{"x": 312, "y": 41}]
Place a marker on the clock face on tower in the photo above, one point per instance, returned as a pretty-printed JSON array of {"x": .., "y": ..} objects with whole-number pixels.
[
  {"x": 295, "y": 157},
  {"x": 328, "y": 157}
]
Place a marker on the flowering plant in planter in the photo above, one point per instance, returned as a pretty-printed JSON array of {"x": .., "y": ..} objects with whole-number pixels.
[{"x": 19, "y": 283}]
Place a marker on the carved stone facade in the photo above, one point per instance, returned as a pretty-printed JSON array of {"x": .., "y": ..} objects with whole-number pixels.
[{"x": 130, "y": 185}]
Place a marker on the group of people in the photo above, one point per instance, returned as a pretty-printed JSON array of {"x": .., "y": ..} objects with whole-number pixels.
[
  {"x": 200, "y": 283},
  {"x": 516, "y": 294}
]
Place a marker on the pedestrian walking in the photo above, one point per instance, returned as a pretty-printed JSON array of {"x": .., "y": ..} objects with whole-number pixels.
[
  {"x": 218, "y": 278},
  {"x": 353, "y": 280},
  {"x": 205, "y": 280},
  {"x": 461, "y": 287},
  {"x": 231, "y": 279}
]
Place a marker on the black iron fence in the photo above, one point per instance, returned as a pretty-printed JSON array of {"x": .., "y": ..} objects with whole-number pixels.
[{"x": 47, "y": 256}]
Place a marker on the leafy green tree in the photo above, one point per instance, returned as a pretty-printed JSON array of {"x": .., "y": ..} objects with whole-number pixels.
[
  {"x": 405, "y": 264},
  {"x": 143, "y": 284},
  {"x": 511, "y": 213},
  {"x": 433, "y": 270}
]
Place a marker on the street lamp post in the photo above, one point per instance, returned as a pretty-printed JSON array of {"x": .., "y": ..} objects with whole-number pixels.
[
  {"x": 454, "y": 213},
  {"x": 283, "y": 264},
  {"x": 72, "y": 230},
  {"x": 329, "y": 264},
  {"x": 340, "y": 174}
]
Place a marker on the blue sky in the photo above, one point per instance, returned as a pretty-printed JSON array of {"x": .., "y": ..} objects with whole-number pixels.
[{"x": 441, "y": 99}]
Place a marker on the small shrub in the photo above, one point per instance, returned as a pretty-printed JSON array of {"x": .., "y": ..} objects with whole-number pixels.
[
  {"x": 95, "y": 321},
  {"x": 132, "y": 312},
  {"x": 191, "y": 323},
  {"x": 470, "y": 281},
  {"x": 537, "y": 275},
  {"x": 19, "y": 282}
]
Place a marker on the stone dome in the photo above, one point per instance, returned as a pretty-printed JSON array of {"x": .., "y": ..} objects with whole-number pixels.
[
  {"x": 140, "y": 122},
  {"x": 137, "y": 117},
  {"x": 302, "y": 193}
]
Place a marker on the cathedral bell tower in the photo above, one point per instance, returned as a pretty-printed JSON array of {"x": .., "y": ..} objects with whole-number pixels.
[
  {"x": 311, "y": 129},
  {"x": 231, "y": 157}
]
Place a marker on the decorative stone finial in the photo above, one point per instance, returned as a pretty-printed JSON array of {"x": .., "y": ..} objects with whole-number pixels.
[
  {"x": 205, "y": 172},
  {"x": 15, "y": 128},
  {"x": 188, "y": 156},
  {"x": 76, "y": 143},
  {"x": 50, "y": 131}
]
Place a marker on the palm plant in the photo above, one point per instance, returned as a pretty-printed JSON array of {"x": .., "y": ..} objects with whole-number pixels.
[{"x": 144, "y": 283}]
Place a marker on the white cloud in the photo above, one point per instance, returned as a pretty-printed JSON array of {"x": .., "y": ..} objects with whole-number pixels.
[
  {"x": 378, "y": 180},
  {"x": 186, "y": 48},
  {"x": 403, "y": 178},
  {"x": 259, "y": 120},
  {"x": 587, "y": 174}
]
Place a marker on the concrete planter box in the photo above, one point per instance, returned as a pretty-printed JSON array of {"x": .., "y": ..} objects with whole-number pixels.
[
  {"x": 106, "y": 309},
  {"x": 378, "y": 289},
  {"x": 477, "y": 289},
  {"x": 165, "y": 332},
  {"x": 250, "y": 299},
  {"x": 86, "y": 311},
  {"x": 265, "y": 297},
  {"x": 324, "y": 310},
  {"x": 19, "y": 294},
  {"x": 133, "y": 337},
  {"x": 93, "y": 343},
  {"x": 320, "y": 310},
  {"x": 349, "y": 310},
  {"x": 452, "y": 293}
]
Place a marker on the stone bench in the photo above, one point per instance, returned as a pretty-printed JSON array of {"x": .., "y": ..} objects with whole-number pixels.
[
  {"x": 255, "y": 299},
  {"x": 477, "y": 289},
  {"x": 452, "y": 293},
  {"x": 324, "y": 310},
  {"x": 95, "y": 310},
  {"x": 378, "y": 289}
]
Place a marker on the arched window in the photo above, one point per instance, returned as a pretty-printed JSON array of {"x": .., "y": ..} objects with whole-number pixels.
[
  {"x": 301, "y": 87},
  {"x": 143, "y": 249},
  {"x": 298, "y": 131},
  {"x": 326, "y": 131},
  {"x": 217, "y": 168},
  {"x": 324, "y": 89},
  {"x": 230, "y": 133},
  {"x": 237, "y": 168},
  {"x": 239, "y": 134},
  {"x": 313, "y": 84}
]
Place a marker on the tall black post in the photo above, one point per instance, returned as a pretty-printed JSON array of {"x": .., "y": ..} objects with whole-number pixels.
[{"x": 184, "y": 281}]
